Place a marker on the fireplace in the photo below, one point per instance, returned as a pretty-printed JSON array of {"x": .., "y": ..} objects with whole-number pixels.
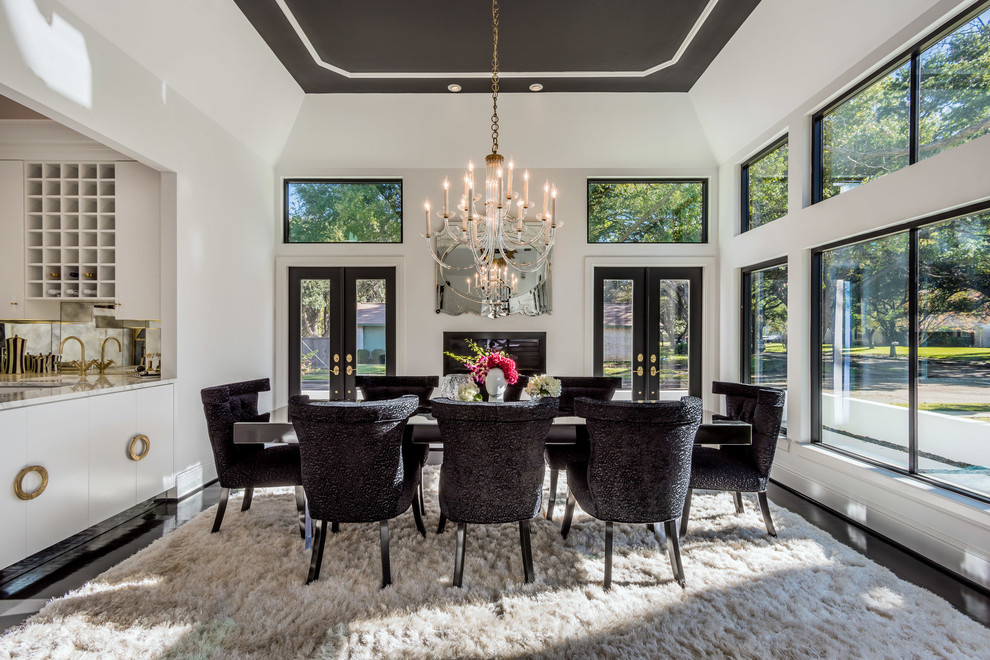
[{"x": 528, "y": 349}]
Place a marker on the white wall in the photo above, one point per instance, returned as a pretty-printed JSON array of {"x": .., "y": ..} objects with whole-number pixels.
[
  {"x": 563, "y": 137},
  {"x": 950, "y": 529},
  {"x": 218, "y": 273}
]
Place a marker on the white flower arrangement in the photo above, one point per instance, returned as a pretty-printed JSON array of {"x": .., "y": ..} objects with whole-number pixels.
[
  {"x": 542, "y": 385},
  {"x": 468, "y": 392}
]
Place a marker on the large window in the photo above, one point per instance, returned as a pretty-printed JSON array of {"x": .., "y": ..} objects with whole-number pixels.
[
  {"x": 904, "y": 350},
  {"x": 932, "y": 98},
  {"x": 764, "y": 186},
  {"x": 764, "y": 349},
  {"x": 326, "y": 211},
  {"x": 647, "y": 211}
]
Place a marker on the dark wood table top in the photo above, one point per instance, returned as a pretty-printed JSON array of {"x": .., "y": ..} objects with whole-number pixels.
[{"x": 424, "y": 430}]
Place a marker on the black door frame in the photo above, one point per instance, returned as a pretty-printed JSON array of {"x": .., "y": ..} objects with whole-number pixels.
[
  {"x": 343, "y": 297},
  {"x": 646, "y": 322}
]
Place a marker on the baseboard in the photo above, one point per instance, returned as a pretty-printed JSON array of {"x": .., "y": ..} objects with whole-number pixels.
[
  {"x": 944, "y": 528},
  {"x": 194, "y": 478}
]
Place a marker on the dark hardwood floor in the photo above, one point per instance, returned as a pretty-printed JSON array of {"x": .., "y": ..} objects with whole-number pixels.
[{"x": 28, "y": 585}]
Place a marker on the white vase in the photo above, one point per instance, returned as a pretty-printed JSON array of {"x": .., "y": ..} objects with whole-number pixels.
[{"x": 495, "y": 384}]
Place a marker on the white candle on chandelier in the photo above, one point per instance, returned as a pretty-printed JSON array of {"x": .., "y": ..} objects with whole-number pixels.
[
  {"x": 446, "y": 197},
  {"x": 522, "y": 212},
  {"x": 546, "y": 193},
  {"x": 508, "y": 191},
  {"x": 526, "y": 188},
  {"x": 464, "y": 200},
  {"x": 464, "y": 218},
  {"x": 498, "y": 197},
  {"x": 553, "y": 207},
  {"x": 427, "y": 205},
  {"x": 469, "y": 284}
]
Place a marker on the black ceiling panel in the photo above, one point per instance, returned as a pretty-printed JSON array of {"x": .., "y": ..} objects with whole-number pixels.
[{"x": 454, "y": 36}]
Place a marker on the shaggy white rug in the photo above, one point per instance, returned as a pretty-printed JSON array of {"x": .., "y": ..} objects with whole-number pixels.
[{"x": 241, "y": 594}]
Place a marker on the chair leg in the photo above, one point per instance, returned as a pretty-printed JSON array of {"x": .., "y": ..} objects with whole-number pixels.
[
  {"x": 421, "y": 493},
  {"x": 418, "y": 516},
  {"x": 657, "y": 532},
  {"x": 568, "y": 514},
  {"x": 301, "y": 509},
  {"x": 335, "y": 527},
  {"x": 527, "y": 550},
  {"x": 316, "y": 561},
  {"x": 386, "y": 566},
  {"x": 553, "y": 493},
  {"x": 686, "y": 513},
  {"x": 765, "y": 507},
  {"x": 443, "y": 524},
  {"x": 608, "y": 555},
  {"x": 248, "y": 494},
  {"x": 459, "y": 554},
  {"x": 221, "y": 507},
  {"x": 674, "y": 550},
  {"x": 739, "y": 504}
]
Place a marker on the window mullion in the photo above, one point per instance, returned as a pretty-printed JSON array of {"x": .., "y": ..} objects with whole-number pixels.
[
  {"x": 913, "y": 339},
  {"x": 914, "y": 133}
]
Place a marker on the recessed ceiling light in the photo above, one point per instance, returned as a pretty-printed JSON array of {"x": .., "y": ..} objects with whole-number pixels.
[
  {"x": 535, "y": 87},
  {"x": 454, "y": 87}
]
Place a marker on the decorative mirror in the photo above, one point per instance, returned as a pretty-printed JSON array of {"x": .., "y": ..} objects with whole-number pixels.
[{"x": 456, "y": 283}]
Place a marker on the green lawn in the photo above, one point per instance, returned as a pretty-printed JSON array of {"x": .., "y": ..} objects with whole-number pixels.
[
  {"x": 363, "y": 370},
  {"x": 930, "y": 352}
]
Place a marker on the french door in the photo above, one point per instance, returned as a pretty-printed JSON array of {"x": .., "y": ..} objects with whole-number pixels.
[
  {"x": 648, "y": 330},
  {"x": 341, "y": 324}
]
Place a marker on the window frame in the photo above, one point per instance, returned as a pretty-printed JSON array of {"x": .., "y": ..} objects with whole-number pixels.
[
  {"x": 704, "y": 181},
  {"x": 746, "y": 312},
  {"x": 912, "y": 227},
  {"x": 910, "y": 55},
  {"x": 287, "y": 181},
  {"x": 744, "y": 180}
]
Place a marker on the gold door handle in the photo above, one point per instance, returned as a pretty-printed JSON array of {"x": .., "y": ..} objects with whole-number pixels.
[
  {"x": 653, "y": 358},
  {"x": 336, "y": 357},
  {"x": 639, "y": 371},
  {"x": 654, "y": 371},
  {"x": 19, "y": 482},
  {"x": 350, "y": 370},
  {"x": 134, "y": 456},
  {"x": 336, "y": 371},
  {"x": 639, "y": 358},
  {"x": 348, "y": 358}
]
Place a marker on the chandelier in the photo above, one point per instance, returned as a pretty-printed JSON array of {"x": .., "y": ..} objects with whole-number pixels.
[{"x": 496, "y": 225}]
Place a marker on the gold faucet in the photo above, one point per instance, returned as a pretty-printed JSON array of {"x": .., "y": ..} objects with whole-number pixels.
[
  {"x": 81, "y": 363},
  {"x": 104, "y": 363}
]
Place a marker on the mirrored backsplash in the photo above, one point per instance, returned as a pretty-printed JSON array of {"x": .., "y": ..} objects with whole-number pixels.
[{"x": 106, "y": 343}]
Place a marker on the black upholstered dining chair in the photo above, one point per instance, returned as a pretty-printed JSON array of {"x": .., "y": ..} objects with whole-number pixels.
[
  {"x": 244, "y": 466},
  {"x": 493, "y": 467},
  {"x": 353, "y": 466},
  {"x": 741, "y": 469},
  {"x": 599, "y": 388},
  {"x": 378, "y": 388},
  {"x": 637, "y": 470}
]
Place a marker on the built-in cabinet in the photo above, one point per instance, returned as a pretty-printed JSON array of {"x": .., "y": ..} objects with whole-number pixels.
[
  {"x": 79, "y": 231},
  {"x": 99, "y": 456}
]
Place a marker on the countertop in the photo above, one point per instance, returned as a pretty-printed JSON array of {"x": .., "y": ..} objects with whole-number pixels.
[{"x": 33, "y": 389}]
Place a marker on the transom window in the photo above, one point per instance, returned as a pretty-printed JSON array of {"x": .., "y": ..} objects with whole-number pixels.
[
  {"x": 933, "y": 98},
  {"x": 764, "y": 186},
  {"x": 647, "y": 211},
  {"x": 343, "y": 211}
]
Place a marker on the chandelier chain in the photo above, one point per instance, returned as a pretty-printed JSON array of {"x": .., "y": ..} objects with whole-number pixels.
[{"x": 494, "y": 76}]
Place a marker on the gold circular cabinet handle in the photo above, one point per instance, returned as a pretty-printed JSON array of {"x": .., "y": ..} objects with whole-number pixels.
[
  {"x": 147, "y": 447},
  {"x": 19, "y": 482}
]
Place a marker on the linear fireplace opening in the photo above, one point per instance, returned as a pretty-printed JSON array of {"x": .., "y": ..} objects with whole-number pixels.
[{"x": 528, "y": 349}]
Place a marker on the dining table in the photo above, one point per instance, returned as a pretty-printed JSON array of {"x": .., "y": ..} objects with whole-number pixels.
[{"x": 423, "y": 429}]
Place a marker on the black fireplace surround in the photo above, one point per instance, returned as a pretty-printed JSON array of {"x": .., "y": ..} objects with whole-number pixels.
[{"x": 528, "y": 349}]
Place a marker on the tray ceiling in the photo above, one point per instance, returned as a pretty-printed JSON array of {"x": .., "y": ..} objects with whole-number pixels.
[{"x": 395, "y": 46}]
